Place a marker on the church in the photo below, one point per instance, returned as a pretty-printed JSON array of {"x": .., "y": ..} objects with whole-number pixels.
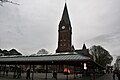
[
  {"x": 65, "y": 36},
  {"x": 66, "y": 57}
]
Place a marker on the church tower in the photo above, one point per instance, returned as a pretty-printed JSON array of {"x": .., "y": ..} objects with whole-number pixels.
[{"x": 64, "y": 33}]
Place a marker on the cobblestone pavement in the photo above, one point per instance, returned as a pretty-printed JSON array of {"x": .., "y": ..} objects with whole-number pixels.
[{"x": 60, "y": 77}]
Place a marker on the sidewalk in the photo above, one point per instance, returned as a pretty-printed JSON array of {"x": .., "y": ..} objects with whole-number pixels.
[
  {"x": 106, "y": 77},
  {"x": 60, "y": 77}
]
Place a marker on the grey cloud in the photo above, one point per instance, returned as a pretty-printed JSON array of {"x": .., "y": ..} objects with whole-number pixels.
[{"x": 34, "y": 24}]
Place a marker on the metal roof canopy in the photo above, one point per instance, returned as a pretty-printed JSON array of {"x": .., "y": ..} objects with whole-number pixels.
[
  {"x": 72, "y": 59},
  {"x": 45, "y": 59}
]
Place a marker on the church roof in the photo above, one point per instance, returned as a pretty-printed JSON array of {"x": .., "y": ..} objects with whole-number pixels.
[
  {"x": 79, "y": 51},
  {"x": 65, "y": 15}
]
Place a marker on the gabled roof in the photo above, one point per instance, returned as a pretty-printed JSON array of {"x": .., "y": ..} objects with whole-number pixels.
[{"x": 65, "y": 15}]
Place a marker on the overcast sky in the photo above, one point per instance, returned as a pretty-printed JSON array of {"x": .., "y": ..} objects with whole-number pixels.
[{"x": 33, "y": 24}]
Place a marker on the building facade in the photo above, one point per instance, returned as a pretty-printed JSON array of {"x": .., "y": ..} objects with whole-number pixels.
[{"x": 65, "y": 36}]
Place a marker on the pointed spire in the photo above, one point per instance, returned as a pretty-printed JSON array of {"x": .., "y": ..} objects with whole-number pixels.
[
  {"x": 84, "y": 46},
  {"x": 65, "y": 15}
]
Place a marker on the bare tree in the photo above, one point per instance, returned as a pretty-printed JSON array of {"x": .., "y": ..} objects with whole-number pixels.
[
  {"x": 101, "y": 55},
  {"x": 4, "y": 1}
]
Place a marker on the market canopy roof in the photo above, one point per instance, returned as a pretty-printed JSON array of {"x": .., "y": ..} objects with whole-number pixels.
[
  {"x": 69, "y": 58},
  {"x": 45, "y": 59}
]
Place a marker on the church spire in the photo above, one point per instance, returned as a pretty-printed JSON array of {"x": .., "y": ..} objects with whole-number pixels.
[
  {"x": 64, "y": 33},
  {"x": 65, "y": 15}
]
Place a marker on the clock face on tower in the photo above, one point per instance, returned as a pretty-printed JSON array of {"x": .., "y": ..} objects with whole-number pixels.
[{"x": 63, "y": 27}]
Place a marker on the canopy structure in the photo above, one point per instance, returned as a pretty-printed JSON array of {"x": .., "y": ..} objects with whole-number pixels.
[
  {"x": 71, "y": 58},
  {"x": 45, "y": 59}
]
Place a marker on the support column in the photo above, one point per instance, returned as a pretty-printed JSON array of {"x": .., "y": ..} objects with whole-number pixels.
[
  {"x": 20, "y": 71},
  {"x": 14, "y": 75},
  {"x": 33, "y": 73},
  {"x": 56, "y": 72},
  {"x": 46, "y": 72},
  {"x": 67, "y": 73},
  {"x": 4, "y": 69},
  {"x": 74, "y": 73},
  {"x": 0, "y": 69}
]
